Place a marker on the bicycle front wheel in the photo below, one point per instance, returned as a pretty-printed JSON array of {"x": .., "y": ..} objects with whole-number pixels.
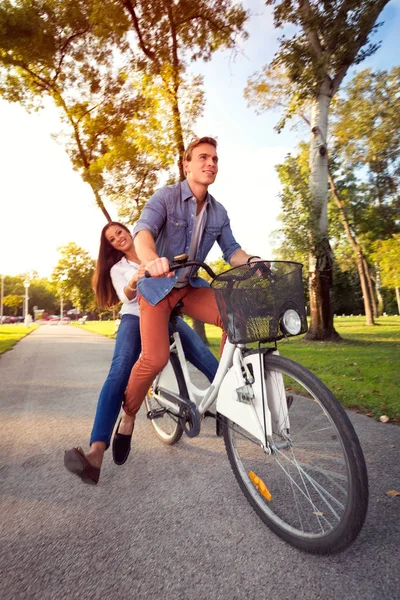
[
  {"x": 167, "y": 426},
  {"x": 312, "y": 489}
]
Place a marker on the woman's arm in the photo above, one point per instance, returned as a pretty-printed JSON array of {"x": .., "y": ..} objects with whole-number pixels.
[{"x": 126, "y": 289}]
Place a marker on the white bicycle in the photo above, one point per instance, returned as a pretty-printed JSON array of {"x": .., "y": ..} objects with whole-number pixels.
[{"x": 291, "y": 446}]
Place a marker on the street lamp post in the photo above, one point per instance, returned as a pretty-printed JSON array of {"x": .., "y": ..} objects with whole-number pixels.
[
  {"x": 26, "y": 313},
  {"x": 1, "y": 299}
]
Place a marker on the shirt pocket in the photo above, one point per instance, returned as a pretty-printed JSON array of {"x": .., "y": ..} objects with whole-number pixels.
[
  {"x": 211, "y": 234},
  {"x": 176, "y": 233}
]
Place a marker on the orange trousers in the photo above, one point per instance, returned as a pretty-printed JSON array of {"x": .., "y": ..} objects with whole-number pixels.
[{"x": 198, "y": 303}]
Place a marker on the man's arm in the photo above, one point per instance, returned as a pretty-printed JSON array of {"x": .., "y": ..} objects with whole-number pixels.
[
  {"x": 240, "y": 257},
  {"x": 145, "y": 247}
]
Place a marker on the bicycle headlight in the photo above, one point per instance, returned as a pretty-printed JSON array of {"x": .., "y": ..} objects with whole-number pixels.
[{"x": 291, "y": 322}]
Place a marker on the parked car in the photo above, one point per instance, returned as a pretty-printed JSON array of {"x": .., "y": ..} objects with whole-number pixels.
[
  {"x": 7, "y": 319},
  {"x": 53, "y": 319}
]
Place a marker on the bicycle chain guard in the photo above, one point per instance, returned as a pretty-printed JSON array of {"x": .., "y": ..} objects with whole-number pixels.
[{"x": 190, "y": 421}]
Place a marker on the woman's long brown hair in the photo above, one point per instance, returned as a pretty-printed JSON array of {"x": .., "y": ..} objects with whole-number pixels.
[{"x": 106, "y": 295}]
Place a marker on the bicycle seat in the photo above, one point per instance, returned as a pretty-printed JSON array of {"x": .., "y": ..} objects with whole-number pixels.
[{"x": 176, "y": 311}]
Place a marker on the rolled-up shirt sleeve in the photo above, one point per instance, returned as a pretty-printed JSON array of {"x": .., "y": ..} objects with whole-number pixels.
[
  {"x": 153, "y": 215},
  {"x": 120, "y": 280},
  {"x": 227, "y": 242}
]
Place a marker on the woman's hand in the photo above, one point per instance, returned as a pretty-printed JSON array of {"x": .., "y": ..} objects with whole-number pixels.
[{"x": 140, "y": 272}]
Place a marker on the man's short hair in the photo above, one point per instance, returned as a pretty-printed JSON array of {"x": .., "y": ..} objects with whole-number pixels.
[{"x": 196, "y": 142}]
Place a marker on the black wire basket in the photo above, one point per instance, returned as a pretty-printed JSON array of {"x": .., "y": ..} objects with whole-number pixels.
[{"x": 253, "y": 299}]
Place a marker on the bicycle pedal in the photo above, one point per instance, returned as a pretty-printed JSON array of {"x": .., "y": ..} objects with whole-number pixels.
[{"x": 156, "y": 413}]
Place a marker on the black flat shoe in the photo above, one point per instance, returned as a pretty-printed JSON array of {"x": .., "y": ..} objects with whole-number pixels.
[{"x": 121, "y": 446}]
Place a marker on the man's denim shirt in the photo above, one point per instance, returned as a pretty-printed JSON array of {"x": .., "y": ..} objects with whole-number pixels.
[{"x": 169, "y": 216}]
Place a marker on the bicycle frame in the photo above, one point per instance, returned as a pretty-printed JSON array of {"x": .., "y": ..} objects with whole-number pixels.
[
  {"x": 244, "y": 395},
  {"x": 259, "y": 408}
]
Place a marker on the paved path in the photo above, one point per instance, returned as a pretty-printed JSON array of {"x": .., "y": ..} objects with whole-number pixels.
[{"x": 172, "y": 522}]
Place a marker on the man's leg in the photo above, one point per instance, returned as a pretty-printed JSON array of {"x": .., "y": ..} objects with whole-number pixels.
[
  {"x": 200, "y": 304},
  {"x": 155, "y": 349}
]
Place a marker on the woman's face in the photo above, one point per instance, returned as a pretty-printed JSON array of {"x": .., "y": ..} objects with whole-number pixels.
[{"x": 119, "y": 238}]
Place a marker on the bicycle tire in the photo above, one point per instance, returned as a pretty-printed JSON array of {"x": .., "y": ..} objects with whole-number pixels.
[
  {"x": 319, "y": 485},
  {"x": 167, "y": 428}
]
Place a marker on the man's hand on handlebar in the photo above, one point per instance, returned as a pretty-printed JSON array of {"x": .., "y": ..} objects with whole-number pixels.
[{"x": 159, "y": 267}]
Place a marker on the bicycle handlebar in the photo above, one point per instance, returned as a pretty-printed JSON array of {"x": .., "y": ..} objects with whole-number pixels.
[{"x": 259, "y": 265}]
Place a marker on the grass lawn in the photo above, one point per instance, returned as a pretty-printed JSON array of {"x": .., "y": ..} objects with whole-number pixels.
[
  {"x": 11, "y": 334},
  {"x": 363, "y": 371},
  {"x": 106, "y": 328}
]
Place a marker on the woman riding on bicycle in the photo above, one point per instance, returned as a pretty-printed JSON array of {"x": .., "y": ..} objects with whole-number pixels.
[{"x": 117, "y": 272}]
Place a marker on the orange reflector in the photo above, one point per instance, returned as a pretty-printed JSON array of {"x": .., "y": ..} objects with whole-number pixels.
[{"x": 260, "y": 485}]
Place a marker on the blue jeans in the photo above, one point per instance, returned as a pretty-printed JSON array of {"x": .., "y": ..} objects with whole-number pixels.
[{"x": 126, "y": 352}]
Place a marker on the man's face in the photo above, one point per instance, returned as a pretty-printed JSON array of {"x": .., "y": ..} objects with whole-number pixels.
[{"x": 203, "y": 166}]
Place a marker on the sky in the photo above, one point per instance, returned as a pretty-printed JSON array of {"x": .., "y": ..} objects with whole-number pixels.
[{"x": 44, "y": 204}]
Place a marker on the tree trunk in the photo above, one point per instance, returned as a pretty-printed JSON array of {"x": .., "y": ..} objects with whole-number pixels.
[
  {"x": 398, "y": 299},
  {"x": 371, "y": 289},
  {"x": 321, "y": 260},
  {"x": 379, "y": 296},
  {"x": 369, "y": 319}
]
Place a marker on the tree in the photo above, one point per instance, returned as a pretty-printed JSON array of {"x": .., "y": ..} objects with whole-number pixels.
[
  {"x": 367, "y": 141},
  {"x": 168, "y": 34},
  {"x": 367, "y": 133},
  {"x": 14, "y": 302},
  {"x": 387, "y": 255},
  {"x": 73, "y": 275},
  {"x": 329, "y": 38},
  {"x": 127, "y": 105},
  {"x": 295, "y": 198},
  {"x": 344, "y": 193},
  {"x": 63, "y": 51}
]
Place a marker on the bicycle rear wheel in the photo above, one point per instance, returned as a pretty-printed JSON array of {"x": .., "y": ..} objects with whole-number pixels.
[
  {"x": 167, "y": 427},
  {"x": 312, "y": 491}
]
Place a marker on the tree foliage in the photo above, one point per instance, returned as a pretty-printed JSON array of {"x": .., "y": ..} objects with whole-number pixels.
[
  {"x": 14, "y": 302},
  {"x": 387, "y": 255},
  {"x": 117, "y": 71},
  {"x": 366, "y": 132},
  {"x": 73, "y": 275}
]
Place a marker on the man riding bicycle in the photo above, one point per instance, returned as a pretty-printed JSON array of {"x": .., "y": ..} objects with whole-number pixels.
[{"x": 182, "y": 218}]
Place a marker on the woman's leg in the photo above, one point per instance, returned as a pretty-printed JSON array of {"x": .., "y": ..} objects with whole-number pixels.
[
  {"x": 196, "y": 351},
  {"x": 155, "y": 348},
  {"x": 126, "y": 352}
]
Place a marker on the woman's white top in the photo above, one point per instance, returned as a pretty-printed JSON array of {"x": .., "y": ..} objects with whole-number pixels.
[{"x": 121, "y": 273}]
